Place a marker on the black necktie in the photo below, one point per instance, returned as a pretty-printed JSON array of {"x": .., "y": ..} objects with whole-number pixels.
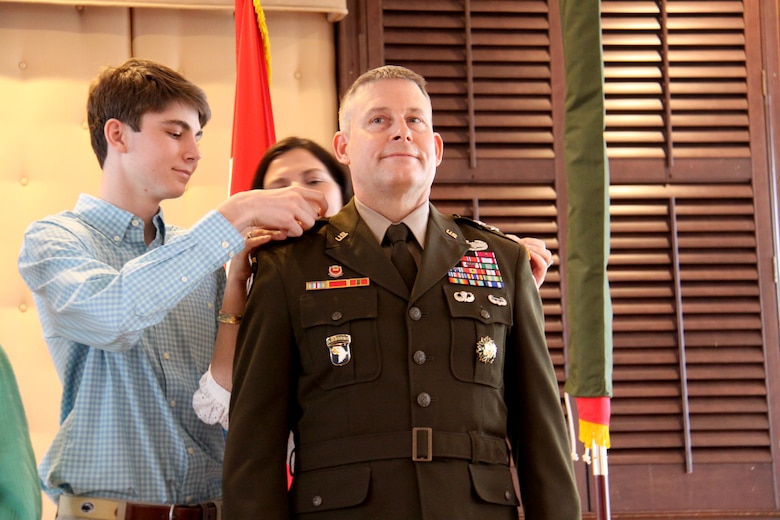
[{"x": 397, "y": 235}]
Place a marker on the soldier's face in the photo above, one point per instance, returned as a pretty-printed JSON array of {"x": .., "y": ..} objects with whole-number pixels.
[{"x": 390, "y": 146}]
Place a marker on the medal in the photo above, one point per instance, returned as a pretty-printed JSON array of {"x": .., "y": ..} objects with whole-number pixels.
[
  {"x": 477, "y": 269},
  {"x": 486, "y": 350},
  {"x": 344, "y": 283}
]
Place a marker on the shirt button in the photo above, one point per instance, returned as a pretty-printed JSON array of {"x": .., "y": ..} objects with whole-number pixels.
[
  {"x": 508, "y": 494},
  {"x": 424, "y": 399},
  {"x": 173, "y": 403},
  {"x": 336, "y": 316},
  {"x": 166, "y": 355},
  {"x": 420, "y": 357},
  {"x": 116, "y": 238},
  {"x": 190, "y": 451},
  {"x": 225, "y": 244},
  {"x": 184, "y": 279},
  {"x": 415, "y": 313},
  {"x": 134, "y": 222},
  {"x": 210, "y": 305},
  {"x": 316, "y": 501},
  {"x": 485, "y": 313}
]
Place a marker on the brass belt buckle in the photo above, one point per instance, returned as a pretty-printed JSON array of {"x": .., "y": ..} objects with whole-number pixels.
[{"x": 428, "y": 444}]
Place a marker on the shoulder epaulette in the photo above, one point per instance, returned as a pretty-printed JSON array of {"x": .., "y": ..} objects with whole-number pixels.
[
  {"x": 479, "y": 225},
  {"x": 320, "y": 222}
]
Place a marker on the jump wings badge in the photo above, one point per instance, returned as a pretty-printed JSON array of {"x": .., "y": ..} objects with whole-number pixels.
[
  {"x": 486, "y": 350},
  {"x": 339, "y": 349},
  {"x": 497, "y": 300}
]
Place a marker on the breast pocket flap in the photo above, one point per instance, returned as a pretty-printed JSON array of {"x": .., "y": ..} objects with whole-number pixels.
[{"x": 336, "y": 306}]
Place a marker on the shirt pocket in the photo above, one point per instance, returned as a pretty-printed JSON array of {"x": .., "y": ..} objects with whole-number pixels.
[
  {"x": 340, "y": 344},
  {"x": 480, "y": 321}
]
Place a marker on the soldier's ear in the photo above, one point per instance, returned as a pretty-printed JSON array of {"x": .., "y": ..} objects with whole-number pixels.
[{"x": 341, "y": 147}]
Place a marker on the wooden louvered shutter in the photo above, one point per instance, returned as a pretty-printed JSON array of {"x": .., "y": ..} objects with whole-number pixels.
[
  {"x": 691, "y": 399},
  {"x": 694, "y": 299},
  {"x": 488, "y": 72},
  {"x": 676, "y": 85}
]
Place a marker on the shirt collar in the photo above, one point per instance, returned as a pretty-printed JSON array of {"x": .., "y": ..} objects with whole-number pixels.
[
  {"x": 417, "y": 221},
  {"x": 113, "y": 221}
]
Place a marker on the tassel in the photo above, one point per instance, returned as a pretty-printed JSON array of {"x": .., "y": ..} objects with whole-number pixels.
[{"x": 594, "y": 433}]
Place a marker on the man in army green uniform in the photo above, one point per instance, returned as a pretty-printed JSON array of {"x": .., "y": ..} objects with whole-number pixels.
[{"x": 406, "y": 399}]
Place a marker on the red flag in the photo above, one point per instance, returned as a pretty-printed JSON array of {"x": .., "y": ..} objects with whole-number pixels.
[
  {"x": 594, "y": 415},
  {"x": 253, "y": 118}
]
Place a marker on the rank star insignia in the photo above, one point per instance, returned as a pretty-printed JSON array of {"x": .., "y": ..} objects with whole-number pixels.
[
  {"x": 339, "y": 349},
  {"x": 486, "y": 350}
]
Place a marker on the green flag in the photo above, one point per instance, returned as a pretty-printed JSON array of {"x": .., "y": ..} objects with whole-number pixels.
[{"x": 589, "y": 308}]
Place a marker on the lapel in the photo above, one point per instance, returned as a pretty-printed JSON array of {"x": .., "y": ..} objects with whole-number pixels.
[
  {"x": 350, "y": 242},
  {"x": 444, "y": 247}
]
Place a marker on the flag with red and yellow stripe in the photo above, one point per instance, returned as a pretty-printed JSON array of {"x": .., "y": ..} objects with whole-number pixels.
[{"x": 253, "y": 119}]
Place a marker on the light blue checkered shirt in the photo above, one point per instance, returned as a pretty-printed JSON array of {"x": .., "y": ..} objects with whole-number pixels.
[{"x": 131, "y": 329}]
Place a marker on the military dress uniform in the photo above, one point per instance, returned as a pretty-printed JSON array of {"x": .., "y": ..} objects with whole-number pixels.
[{"x": 401, "y": 403}]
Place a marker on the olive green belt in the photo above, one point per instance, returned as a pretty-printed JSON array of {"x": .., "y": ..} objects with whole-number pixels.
[{"x": 420, "y": 445}]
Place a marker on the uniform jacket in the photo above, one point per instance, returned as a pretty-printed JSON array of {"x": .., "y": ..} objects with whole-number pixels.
[{"x": 394, "y": 413}]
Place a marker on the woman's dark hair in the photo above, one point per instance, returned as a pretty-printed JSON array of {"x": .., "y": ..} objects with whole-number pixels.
[{"x": 335, "y": 168}]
